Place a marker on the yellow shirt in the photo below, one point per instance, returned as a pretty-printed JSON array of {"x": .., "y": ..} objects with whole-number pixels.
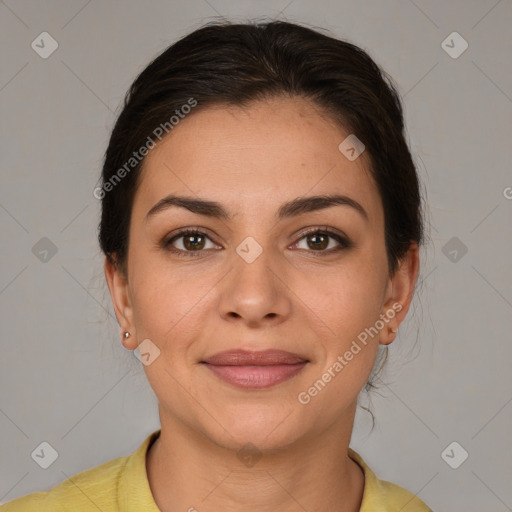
[{"x": 121, "y": 485}]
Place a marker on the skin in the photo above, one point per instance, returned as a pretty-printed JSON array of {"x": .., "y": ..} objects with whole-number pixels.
[{"x": 291, "y": 297}]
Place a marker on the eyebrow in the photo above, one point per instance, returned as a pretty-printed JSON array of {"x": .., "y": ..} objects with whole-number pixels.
[{"x": 292, "y": 208}]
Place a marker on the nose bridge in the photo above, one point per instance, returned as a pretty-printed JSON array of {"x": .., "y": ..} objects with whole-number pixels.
[{"x": 253, "y": 262}]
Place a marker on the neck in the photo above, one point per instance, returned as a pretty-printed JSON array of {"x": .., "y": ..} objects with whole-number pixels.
[{"x": 187, "y": 472}]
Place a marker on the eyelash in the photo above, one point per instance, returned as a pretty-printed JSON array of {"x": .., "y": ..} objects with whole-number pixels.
[{"x": 345, "y": 243}]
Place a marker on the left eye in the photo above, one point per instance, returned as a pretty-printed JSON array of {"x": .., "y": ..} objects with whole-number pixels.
[{"x": 318, "y": 240}]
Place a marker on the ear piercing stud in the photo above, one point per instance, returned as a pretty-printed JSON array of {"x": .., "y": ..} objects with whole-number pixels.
[{"x": 126, "y": 335}]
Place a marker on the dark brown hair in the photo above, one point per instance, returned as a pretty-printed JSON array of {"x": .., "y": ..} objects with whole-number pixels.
[{"x": 236, "y": 64}]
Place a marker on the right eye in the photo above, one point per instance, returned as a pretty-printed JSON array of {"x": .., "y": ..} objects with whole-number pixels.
[{"x": 191, "y": 241}]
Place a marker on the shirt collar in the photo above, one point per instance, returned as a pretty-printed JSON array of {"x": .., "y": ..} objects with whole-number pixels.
[{"x": 134, "y": 493}]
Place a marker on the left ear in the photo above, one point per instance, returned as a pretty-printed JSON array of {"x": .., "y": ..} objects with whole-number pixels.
[{"x": 400, "y": 293}]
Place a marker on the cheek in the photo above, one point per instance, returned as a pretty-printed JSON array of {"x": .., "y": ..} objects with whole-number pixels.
[
  {"x": 167, "y": 309},
  {"x": 169, "y": 303},
  {"x": 345, "y": 320},
  {"x": 345, "y": 300},
  {"x": 344, "y": 306}
]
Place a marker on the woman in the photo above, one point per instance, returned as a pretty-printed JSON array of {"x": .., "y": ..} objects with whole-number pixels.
[{"x": 261, "y": 224}]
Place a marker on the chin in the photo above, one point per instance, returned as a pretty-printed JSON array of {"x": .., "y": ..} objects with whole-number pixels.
[{"x": 267, "y": 428}]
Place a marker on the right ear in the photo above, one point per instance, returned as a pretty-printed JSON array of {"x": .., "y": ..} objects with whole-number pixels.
[{"x": 120, "y": 294}]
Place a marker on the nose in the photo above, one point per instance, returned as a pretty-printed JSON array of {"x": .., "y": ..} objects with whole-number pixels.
[{"x": 255, "y": 291}]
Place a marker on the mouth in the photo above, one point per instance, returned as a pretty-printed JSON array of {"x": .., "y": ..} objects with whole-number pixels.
[{"x": 256, "y": 370}]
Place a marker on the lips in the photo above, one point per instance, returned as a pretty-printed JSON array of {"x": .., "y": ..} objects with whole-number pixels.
[
  {"x": 255, "y": 370},
  {"x": 261, "y": 358}
]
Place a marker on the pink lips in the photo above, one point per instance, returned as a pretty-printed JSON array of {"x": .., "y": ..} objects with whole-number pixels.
[{"x": 255, "y": 369}]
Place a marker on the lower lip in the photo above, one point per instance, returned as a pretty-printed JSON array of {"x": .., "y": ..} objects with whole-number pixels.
[{"x": 256, "y": 377}]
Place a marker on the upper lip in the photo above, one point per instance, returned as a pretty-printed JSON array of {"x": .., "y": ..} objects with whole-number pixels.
[{"x": 249, "y": 358}]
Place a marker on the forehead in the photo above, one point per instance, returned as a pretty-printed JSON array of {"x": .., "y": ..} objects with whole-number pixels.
[{"x": 250, "y": 158}]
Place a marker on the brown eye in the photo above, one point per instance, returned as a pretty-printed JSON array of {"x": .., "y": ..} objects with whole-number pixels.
[
  {"x": 319, "y": 240},
  {"x": 193, "y": 242},
  {"x": 188, "y": 241}
]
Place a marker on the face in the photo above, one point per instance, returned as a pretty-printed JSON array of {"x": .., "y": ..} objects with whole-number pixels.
[{"x": 258, "y": 277}]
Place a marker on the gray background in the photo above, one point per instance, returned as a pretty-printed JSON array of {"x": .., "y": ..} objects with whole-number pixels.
[{"x": 65, "y": 377}]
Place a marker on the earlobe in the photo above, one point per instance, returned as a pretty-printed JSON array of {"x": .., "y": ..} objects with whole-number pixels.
[
  {"x": 120, "y": 294},
  {"x": 124, "y": 340},
  {"x": 388, "y": 336},
  {"x": 401, "y": 286}
]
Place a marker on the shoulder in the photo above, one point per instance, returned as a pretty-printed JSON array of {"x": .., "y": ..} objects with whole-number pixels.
[
  {"x": 92, "y": 489},
  {"x": 396, "y": 496},
  {"x": 383, "y": 495},
  {"x": 115, "y": 485}
]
